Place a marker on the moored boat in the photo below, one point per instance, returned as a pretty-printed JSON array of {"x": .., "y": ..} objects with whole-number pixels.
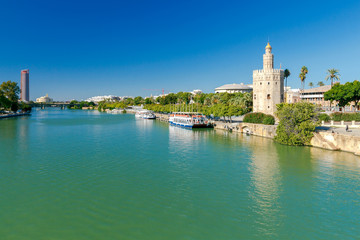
[
  {"x": 145, "y": 114},
  {"x": 189, "y": 120}
]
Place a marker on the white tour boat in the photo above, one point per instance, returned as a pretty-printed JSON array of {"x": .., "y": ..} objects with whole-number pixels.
[
  {"x": 145, "y": 114},
  {"x": 189, "y": 120}
]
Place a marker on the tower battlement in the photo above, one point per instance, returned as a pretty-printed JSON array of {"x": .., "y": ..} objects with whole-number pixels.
[{"x": 261, "y": 71}]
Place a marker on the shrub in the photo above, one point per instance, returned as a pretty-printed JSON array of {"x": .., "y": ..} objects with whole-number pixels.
[
  {"x": 324, "y": 117},
  {"x": 338, "y": 116},
  {"x": 254, "y": 117},
  {"x": 260, "y": 118},
  {"x": 297, "y": 123},
  {"x": 268, "y": 120}
]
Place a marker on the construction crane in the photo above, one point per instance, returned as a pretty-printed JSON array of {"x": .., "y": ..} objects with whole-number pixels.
[{"x": 156, "y": 90}]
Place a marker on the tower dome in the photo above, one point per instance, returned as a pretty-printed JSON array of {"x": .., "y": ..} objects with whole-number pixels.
[{"x": 268, "y": 46}]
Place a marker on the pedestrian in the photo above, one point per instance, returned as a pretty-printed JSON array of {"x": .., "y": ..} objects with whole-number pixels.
[{"x": 347, "y": 128}]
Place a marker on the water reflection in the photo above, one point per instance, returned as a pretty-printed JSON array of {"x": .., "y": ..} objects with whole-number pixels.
[
  {"x": 14, "y": 136},
  {"x": 326, "y": 158},
  {"x": 144, "y": 124},
  {"x": 183, "y": 141},
  {"x": 265, "y": 184}
]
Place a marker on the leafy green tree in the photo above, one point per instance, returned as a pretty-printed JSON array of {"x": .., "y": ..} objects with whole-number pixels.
[
  {"x": 332, "y": 74},
  {"x": 353, "y": 92},
  {"x": 171, "y": 98},
  {"x": 149, "y": 101},
  {"x": 129, "y": 101},
  {"x": 138, "y": 100},
  {"x": 297, "y": 123},
  {"x": 338, "y": 93},
  {"x": 74, "y": 104},
  {"x": 10, "y": 90},
  {"x": 225, "y": 97},
  {"x": 183, "y": 97},
  {"x": 200, "y": 98},
  {"x": 5, "y": 103},
  {"x": 311, "y": 84},
  {"x": 215, "y": 99},
  {"x": 14, "y": 106},
  {"x": 25, "y": 107},
  {"x": 207, "y": 101}
]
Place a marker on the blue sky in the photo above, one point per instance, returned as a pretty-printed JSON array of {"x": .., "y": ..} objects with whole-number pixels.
[{"x": 78, "y": 49}]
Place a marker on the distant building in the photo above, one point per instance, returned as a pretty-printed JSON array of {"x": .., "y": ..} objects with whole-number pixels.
[
  {"x": 233, "y": 88},
  {"x": 196, "y": 91},
  {"x": 44, "y": 99},
  {"x": 97, "y": 99},
  {"x": 316, "y": 95},
  {"x": 268, "y": 84},
  {"x": 292, "y": 95},
  {"x": 24, "y": 94}
]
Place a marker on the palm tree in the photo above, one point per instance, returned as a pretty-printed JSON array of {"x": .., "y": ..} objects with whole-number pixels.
[
  {"x": 287, "y": 73},
  {"x": 311, "y": 84},
  {"x": 333, "y": 74},
  {"x": 302, "y": 76},
  {"x": 320, "y": 84}
]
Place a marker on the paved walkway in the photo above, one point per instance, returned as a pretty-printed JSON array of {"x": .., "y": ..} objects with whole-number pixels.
[{"x": 341, "y": 130}]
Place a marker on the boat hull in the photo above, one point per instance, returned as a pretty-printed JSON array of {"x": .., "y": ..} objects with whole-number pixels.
[{"x": 190, "y": 126}]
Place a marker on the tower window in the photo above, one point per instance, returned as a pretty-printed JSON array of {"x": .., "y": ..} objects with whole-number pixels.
[
  {"x": 268, "y": 106},
  {"x": 255, "y": 96},
  {"x": 268, "y": 96},
  {"x": 276, "y": 83},
  {"x": 261, "y": 83},
  {"x": 268, "y": 83}
]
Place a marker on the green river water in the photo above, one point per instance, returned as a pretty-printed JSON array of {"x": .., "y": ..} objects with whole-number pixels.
[{"x": 88, "y": 175}]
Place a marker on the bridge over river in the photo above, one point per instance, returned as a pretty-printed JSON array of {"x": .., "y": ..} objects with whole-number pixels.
[{"x": 50, "y": 105}]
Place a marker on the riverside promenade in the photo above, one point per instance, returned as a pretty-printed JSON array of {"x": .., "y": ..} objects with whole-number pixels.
[{"x": 10, "y": 115}]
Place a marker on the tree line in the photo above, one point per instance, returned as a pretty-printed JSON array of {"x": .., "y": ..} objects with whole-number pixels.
[
  {"x": 344, "y": 94},
  {"x": 9, "y": 98},
  {"x": 223, "y": 105}
]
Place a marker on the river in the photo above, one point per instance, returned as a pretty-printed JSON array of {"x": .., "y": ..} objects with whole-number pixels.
[{"x": 88, "y": 175}]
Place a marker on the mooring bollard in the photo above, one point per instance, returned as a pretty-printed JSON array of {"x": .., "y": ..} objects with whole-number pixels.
[
  {"x": 342, "y": 122},
  {"x": 332, "y": 122},
  {"x": 353, "y": 122}
]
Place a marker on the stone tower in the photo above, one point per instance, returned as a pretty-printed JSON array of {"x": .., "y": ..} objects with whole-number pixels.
[{"x": 268, "y": 85}]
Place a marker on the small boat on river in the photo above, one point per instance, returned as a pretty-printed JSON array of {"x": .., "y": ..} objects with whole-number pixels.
[
  {"x": 189, "y": 120},
  {"x": 145, "y": 114}
]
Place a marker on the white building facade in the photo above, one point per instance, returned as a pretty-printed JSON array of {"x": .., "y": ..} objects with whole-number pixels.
[
  {"x": 233, "y": 88},
  {"x": 97, "y": 99},
  {"x": 268, "y": 85},
  {"x": 44, "y": 99}
]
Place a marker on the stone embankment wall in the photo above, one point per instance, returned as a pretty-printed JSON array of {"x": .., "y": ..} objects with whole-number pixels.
[
  {"x": 336, "y": 141},
  {"x": 261, "y": 130},
  {"x": 321, "y": 139}
]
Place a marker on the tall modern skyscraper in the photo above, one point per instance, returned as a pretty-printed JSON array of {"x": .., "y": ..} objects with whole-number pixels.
[{"x": 24, "y": 95}]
